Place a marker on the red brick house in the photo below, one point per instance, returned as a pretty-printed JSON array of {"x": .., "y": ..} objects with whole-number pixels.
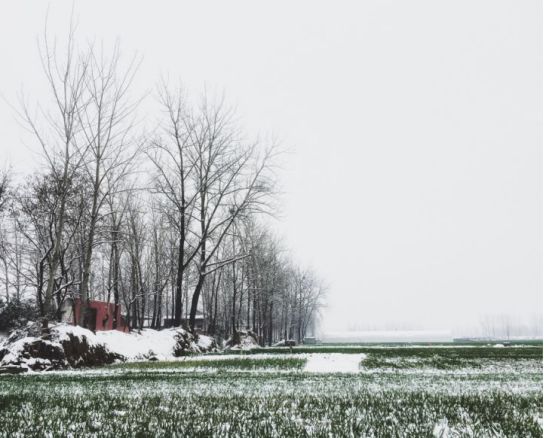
[{"x": 98, "y": 316}]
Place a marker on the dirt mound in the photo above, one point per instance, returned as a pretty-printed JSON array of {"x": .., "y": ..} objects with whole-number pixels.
[
  {"x": 207, "y": 344},
  {"x": 31, "y": 354},
  {"x": 285, "y": 343},
  {"x": 80, "y": 352},
  {"x": 66, "y": 346},
  {"x": 32, "y": 329},
  {"x": 243, "y": 340},
  {"x": 185, "y": 343},
  {"x": 63, "y": 347}
]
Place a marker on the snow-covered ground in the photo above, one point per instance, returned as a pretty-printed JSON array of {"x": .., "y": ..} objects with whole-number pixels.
[
  {"x": 135, "y": 345},
  {"x": 315, "y": 362},
  {"x": 333, "y": 363},
  {"x": 378, "y": 393},
  {"x": 63, "y": 331},
  {"x": 261, "y": 403}
]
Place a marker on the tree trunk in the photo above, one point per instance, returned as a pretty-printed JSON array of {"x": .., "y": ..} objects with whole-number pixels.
[
  {"x": 179, "y": 286},
  {"x": 194, "y": 302},
  {"x": 84, "y": 290},
  {"x": 115, "y": 275}
]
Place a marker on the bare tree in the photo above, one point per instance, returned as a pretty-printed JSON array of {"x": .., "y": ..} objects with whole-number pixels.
[
  {"x": 161, "y": 265},
  {"x": 5, "y": 247},
  {"x": 117, "y": 201},
  {"x": 170, "y": 154},
  {"x": 231, "y": 179},
  {"x": 57, "y": 131},
  {"x": 5, "y": 180},
  {"x": 36, "y": 205},
  {"x": 106, "y": 123}
]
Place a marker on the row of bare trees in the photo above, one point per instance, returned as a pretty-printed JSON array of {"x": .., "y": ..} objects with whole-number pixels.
[{"x": 163, "y": 223}]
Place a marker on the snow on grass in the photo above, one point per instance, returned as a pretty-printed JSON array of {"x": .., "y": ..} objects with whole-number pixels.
[
  {"x": 233, "y": 363},
  {"x": 333, "y": 363},
  {"x": 270, "y": 404},
  {"x": 314, "y": 362},
  {"x": 221, "y": 357},
  {"x": 308, "y": 363},
  {"x": 500, "y": 396}
]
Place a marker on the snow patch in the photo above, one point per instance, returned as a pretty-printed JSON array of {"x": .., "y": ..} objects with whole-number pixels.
[
  {"x": 62, "y": 332},
  {"x": 333, "y": 363},
  {"x": 147, "y": 343},
  {"x": 205, "y": 343},
  {"x": 3, "y": 338},
  {"x": 441, "y": 429}
]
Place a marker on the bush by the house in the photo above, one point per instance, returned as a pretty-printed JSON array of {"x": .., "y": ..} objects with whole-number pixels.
[{"x": 16, "y": 313}]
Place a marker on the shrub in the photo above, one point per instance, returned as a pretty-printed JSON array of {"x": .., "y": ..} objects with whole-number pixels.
[{"x": 16, "y": 314}]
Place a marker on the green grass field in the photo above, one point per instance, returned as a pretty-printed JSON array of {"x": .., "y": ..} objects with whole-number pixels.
[
  {"x": 481, "y": 392},
  {"x": 239, "y": 363},
  {"x": 476, "y": 350}
]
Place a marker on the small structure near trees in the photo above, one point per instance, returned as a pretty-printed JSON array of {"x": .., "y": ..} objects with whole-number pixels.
[
  {"x": 98, "y": 315},
  {"x": 200, "y": 322}
]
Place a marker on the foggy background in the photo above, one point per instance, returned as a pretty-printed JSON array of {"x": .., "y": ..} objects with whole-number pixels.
[{"x": 413, "y": 182}]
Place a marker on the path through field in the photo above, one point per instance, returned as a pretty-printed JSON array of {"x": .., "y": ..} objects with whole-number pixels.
[{"x": 333, "y": 363}]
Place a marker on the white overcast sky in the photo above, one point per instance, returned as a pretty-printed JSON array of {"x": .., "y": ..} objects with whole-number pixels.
[{"x": 414, "y": 185}]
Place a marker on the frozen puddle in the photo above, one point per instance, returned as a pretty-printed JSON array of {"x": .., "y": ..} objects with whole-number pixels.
[{"x": 333, "y": 363}]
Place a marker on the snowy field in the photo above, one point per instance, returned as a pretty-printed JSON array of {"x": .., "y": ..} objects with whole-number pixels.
[{"x": 372, "y": 391}]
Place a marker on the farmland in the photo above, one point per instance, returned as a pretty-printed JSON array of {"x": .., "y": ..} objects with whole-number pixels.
[{"x": 397, "y": 391}]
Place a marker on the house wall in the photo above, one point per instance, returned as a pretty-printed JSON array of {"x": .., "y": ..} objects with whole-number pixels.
[{"x": 104, "y": 315}]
